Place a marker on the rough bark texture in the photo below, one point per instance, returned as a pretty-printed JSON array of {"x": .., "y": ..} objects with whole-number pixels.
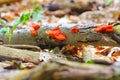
[
  {"x": 85, "y": 35},
  {"x": 7, "y": 1},
  {"x": 29, "y": 47},
  {"x": 7, "y": 53},
  {"x": 65, "y": 70}
]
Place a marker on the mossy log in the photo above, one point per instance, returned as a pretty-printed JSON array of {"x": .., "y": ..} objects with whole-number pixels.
[
  {"x": 85, "y": 35},
  {"x": 7, "y": 53}
]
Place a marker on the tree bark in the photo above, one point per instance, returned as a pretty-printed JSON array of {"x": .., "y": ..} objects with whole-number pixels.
[
  {"x": 86, "y": 35},
  {"x": 66, "y": 70},
  {"x": 7, "y": 1},
  {"x": 7, "y": 53}
]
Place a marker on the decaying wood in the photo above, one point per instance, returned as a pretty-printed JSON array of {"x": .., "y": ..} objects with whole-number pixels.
[
  {"x": 85, "y": 35},
  {"x": 66, "y": 70},
  {"x": 9, "y": 74},
  {"x": 10, "y": 64},
  {"x": 30, "y": 47},
  {"x": 7, "y": 1},
  {"x": 7, "y": 53}
]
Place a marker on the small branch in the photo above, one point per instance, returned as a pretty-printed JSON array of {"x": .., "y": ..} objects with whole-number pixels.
[
  {"x": 18, "y": 54},
  {"x": 30, "y": 47}
]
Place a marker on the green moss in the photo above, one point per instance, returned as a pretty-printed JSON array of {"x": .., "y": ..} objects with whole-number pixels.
[{"x": 117, "y": 29}]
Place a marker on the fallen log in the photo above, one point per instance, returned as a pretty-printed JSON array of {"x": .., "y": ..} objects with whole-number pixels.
[
  {"x": 7, "y": 53},
  {"x": 86, "y": 34},
  {"x": 65, "y": 70},
  {"x": 7, "y": 1}
]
